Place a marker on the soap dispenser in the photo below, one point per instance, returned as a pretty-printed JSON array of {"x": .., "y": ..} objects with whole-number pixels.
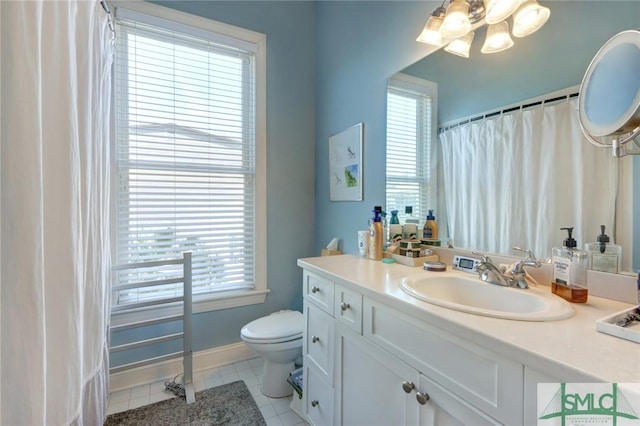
[
  {"x": 604, "y": 257},
  {"x": 430, "y": 228},
  {"x": 569, "y": 270}
]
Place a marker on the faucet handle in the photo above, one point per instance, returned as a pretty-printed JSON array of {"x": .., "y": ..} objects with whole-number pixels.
[
  {"x": 530, "y": 254},
  {"x": 529, "y": 260},
  {"x": 483, "y": 257}
]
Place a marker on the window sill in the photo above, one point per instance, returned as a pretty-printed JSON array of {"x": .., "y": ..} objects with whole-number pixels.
[{"x": 201, "y": 303}]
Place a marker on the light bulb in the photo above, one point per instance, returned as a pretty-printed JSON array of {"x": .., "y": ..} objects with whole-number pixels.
[
  {"x": 430, "y": 34},
  {"x": 461, "y": 46},
  {"x": 529, "y": 18},
  {"x": 498, "y": 38},
  {"x": 456, "y": 21},
  {"x": 499, "y": 10}
]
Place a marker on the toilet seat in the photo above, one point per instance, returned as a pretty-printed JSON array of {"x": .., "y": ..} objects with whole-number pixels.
[{"x": 282, "y": 326}]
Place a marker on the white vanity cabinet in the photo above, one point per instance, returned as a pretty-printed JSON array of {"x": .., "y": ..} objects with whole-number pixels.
[
  {"x": 477, "y": 376},
  {"x": 385, "y": 367},
  {"x": 374, "y": 387}
]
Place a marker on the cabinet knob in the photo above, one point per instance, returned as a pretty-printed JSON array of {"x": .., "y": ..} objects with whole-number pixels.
[
  {"x": 314, "y": 403},
  {"x": 422, "y": 398},
  {"x": 315, "y": 339},
  {"x": 408, "y": 386},
  {"x": 315, "y": 289},
  {"x": 344, "y": 306}
]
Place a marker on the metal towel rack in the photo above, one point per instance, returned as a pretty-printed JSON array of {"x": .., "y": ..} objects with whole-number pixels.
[{"x": 186, "y": 318}]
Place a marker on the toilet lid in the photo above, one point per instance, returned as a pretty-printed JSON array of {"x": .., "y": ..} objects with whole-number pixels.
[{"x": 279, "y": 325}]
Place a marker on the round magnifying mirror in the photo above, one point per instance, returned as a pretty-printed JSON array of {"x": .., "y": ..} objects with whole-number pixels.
[{"x": 609, "y": 100}]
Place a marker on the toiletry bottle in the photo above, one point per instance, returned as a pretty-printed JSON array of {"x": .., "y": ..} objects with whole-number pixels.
[
  {"x": 603, "y": 256},
  {"x": 569, "y": 271},
  {"x": 395, "y": 229},
  {"x": 376, "y": 235},
  {"x": 410, "y": 228},
  {"x": 430, "y": 229},
  {"x": 385, "y": 229}
]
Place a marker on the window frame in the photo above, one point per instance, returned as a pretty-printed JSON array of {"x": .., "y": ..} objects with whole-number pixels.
[
  {"x": 419, "y": 87},
  {"x": 171, "y": 19}
]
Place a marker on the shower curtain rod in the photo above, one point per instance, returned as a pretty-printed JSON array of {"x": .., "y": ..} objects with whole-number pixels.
[{"x": 560, "y": 95}]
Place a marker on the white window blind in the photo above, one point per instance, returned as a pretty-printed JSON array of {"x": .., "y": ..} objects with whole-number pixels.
[
  {"x": 410, "y": 151},
  {"x": 186, "y": 159}
]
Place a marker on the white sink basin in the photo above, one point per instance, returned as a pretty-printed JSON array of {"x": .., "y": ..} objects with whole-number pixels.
[{"x": 472, "y": 295}]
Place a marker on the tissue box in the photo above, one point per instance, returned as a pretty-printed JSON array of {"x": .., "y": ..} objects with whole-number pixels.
[{"x": 326, "y": 252}]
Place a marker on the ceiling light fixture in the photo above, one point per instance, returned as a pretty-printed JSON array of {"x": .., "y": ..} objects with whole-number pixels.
[
  {"x": 529, "y": 17},
  {"x": 431, "y": 32},
  {"x": 461, "y": 46},
  {"x": 453, "y": 24},
  {"x": 456, "y": 21},
  {"x": 499, "y": 10},
  {"x": 498, "y": 38}
]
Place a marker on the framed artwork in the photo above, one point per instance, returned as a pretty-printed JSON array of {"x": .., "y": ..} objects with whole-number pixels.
[{"x": 345, "y": 164}]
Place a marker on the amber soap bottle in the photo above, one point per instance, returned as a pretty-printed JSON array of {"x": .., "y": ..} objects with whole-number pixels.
[{"x": 569, "y": 271}]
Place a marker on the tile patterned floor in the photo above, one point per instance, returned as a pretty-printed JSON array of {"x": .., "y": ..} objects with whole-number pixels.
[{"x": 276, "y": 411}]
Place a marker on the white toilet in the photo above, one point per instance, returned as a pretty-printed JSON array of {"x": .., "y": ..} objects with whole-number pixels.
[{"x": 277, "y": 338}]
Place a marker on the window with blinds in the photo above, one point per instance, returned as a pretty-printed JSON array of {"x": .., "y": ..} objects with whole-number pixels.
[
  {"x": 185, "y": 130},
  {"x": 411, "y": 140}
]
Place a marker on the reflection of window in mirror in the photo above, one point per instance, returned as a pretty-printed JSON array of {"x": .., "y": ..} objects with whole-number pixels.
[{"x": 411, "y": 145}]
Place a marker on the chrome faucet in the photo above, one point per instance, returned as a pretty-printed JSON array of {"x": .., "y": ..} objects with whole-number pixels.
[
  {"x": 491, "y": 273},
  {"x": 516, "y": 278},
  {"x": 517, "y": 271}
]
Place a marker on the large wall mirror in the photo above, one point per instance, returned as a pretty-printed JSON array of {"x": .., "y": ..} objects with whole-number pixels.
[{"x": 552, "y": 59}]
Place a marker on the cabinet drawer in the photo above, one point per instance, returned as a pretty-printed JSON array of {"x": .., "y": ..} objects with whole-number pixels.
[
  {"x": 490, "y": 382},
  {"x": 348, "y": 308},
  {"x": 318, "y": 398},
  {"x": 319, "y": 340},
  {"x": 319, "y": 290}
]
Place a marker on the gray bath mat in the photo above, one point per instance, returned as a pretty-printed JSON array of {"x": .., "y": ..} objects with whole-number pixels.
[{"x": 229, "y": 405}]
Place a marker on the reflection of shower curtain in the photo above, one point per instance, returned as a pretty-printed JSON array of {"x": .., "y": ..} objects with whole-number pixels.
[
  {"x": 516, "y": 179},
  {"x": 55, "y": 89}
]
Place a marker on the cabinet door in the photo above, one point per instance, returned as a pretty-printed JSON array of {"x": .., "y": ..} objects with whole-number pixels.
[
  {"x": 438, "y": 407},
  {"x": 319, "y": 398},
  {"x": 369, "y": 384},
  {"x": 489, "y": 381},
  {"x": 318, "y": 340}
]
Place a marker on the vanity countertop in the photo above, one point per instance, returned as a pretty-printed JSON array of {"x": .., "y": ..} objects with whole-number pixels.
[{"x": 553, "y": 347}]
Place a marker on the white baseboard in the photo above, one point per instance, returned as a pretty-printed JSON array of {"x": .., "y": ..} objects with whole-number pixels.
[{"x": 202, "y": 360}]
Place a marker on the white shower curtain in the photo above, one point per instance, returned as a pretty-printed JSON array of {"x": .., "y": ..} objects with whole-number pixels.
[
  {"x": 516, "y": 179},
  {"x": 55, "y": 73}
]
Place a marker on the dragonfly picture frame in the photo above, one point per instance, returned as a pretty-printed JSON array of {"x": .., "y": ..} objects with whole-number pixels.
[{"x": 345, "y": 164}]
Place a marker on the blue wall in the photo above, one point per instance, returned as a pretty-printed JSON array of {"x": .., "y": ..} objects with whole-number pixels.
[
  {"x": 291, "y": 35},
  {"x": 360, "y": 44}
]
